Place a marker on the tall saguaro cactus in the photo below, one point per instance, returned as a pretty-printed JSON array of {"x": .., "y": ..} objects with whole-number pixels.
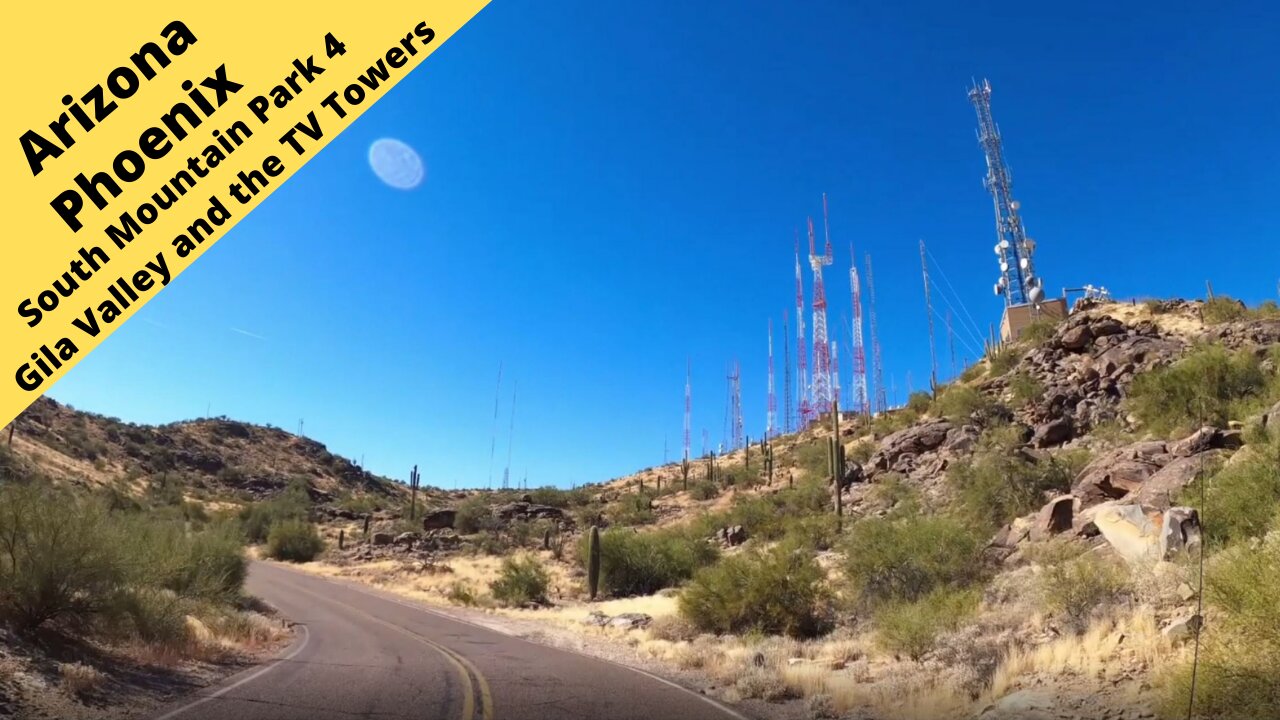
[
  {"x": 837, "y": 463},
  {"x": 684, "y": 474},
  {"x": 593, "y": 562},
  {"x": 414, "y": 479}
]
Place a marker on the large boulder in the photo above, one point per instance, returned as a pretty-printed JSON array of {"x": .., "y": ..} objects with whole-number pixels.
[
  {"x": 381, "y": 538},
  {"x": 1145, "y": 537},
  {"x": 1162, "y": 488},
  {"x": 914, "y": 440},
  {"x": 439, "y": 520},
  {"x": 529, "y": 511},
  {"x": 1053, "y": 432},
  {"x": 1120, "y": 472},
  {"x": 1271, "y": 418},
  {"x": 1057, "y": 516}
]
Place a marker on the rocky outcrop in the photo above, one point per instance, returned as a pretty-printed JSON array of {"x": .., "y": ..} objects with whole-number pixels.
[
  {"x": 439, "y": 520},
  {"x": 1119, "y": 472},
  {"x": 913, "y": 441},
  {"x": 732, "y": 536},
  {"x": 1143, "y": 536},
  {"x": 526, "y": 511},
  {"x": 1057, "y": 516}
]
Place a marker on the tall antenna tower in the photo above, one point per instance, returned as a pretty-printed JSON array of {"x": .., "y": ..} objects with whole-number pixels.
[
  {"x": 493, "y": 435},
  {"x": 928, "y": 309},
  {"x": 688, "y": 405},
  {"x": 786, "y": 376},
  {"x": 771, "y": 416},
  {"x": 821, "y": 348},
  {"x": 860, "y": 402},
  {"x": 735, "y": 407},
  {"x": 877, "y": 366},
  {"x": 835, "y": 370},
  {"x": 511, "y": 434},
  {"x": 802, "y": 362},
  {"x": 1018, "y": 282}
]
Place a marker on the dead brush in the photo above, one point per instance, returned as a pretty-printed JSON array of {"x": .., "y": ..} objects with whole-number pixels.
[{"x": 78, "y": 679}]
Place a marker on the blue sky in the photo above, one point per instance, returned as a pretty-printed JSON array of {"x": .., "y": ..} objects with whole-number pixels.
[{"x": 612, "y": 189}]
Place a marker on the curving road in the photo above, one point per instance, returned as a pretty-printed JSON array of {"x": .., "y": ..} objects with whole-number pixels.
[{"x": 362, "y": 654}]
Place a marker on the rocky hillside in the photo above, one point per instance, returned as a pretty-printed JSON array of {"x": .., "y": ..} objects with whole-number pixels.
[{"x": 213, "y": 459}]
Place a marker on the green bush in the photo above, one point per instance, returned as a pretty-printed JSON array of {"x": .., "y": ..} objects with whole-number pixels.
[
  {"x": 1223, "y": 309},
  {"x": 257, "y": 518},
  {"x": 811, "y": 532},
  {"x": 920, "y": 402},
  {"x": 892, "y": 492},
  {"x": 1238, "y": 677},
  {"x": 1038, "y": 332},
  {"x": 157, "y": 617},
  {"x": 861, "y": 451},
  {"x": 812, "y": 459},
  {"x": 633, "y": 509},
  {"x": 521, "y": 581},
  {"x": 703, "y": 490},
  {"x": 1003, "y": 359},
  {"x": 887, "y": 423},
  {"x": 909, "y": 557},
  {"x": 1077, "y": 587},
  {"x": 557, "y": 497},
  {"x": 1242, "y": 498},
  {"x": 473, "y": 516},
  {"x": 59, "y": 557},
  {"x": 781, "y": 591},
  {"x": 633, "y": 563},
  {"x": 999, "y": 482},
  {"x": 958, "y": 403},
  {"x": 294, "y": 541},
  {"x": 911, "y": 628},
  {"x": 1209, "y": 386},
  {"x": 1024, "y": 388}
]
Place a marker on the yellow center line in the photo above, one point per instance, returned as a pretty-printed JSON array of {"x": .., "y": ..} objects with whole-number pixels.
[{"x": 464, "y": 667}]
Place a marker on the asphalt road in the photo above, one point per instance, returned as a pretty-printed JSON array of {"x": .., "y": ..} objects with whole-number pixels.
[{"x": 362, "y": 654}]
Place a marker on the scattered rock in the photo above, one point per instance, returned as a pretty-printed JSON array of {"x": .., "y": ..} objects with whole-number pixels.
[
  {"x": 1182, "y": 628},
  {"x": 630, "y": 621},
  {"x": 1186, "y": 593},
  {"x": 732, "y": 536},
  {"x": 381, "y": 538}
]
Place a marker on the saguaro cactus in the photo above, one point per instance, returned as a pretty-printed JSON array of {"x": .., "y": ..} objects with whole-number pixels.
[
  {"x": 593, "y": 562},
  {"x": 837, "y": 464},
  {"x": 684, "y": 474}
]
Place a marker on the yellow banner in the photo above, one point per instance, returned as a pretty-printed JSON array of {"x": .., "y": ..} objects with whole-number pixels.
[{"x": 136, "y": 135}]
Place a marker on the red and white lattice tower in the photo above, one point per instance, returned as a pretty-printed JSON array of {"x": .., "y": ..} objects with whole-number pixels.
[
  {"x": 859, "y": 390},
  {"x": 688, "y": 405},
  {"x": 771, "y": 418},
  {"x": 877, "y": 367},
  {"x": 821, "y": 393},
  {"x": 802, "y": 362}
]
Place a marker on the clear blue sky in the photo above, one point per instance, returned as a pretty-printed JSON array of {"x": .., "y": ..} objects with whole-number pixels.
[{"x": 612, "y": 189}]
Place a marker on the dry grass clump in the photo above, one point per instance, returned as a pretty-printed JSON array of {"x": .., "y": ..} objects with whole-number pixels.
[{"x": 79, "y": 679}]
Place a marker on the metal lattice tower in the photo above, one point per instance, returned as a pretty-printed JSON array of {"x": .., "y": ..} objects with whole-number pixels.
[
  {"x": 688, "y": 405},
  {"x": 928, "y": 309},
  {"x": 771, "y": 416},
  {"x": 835, "y": 371},
  {"x": 859, "y": 390},
  {"x": 786, "y": 376},
  {"x": 821, "y": 394},
  {"x": 802, "y": 363},
  {"x": 735, "y": 407},
  {"x": 877, "y": 366},
  {"x": 1018, "y": 282}
]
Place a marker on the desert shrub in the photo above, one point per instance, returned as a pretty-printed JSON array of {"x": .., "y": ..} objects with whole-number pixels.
[
  {"x": 1223, "y": 309},
  {"x": 59, "y": 557},
  {"x": 703, "y": 490},
  {"x": 781, "y": 591},
  {"x": 1206, "y": 387},
  {"x": 474, "y": 515},
  {"x": 761, "y": 684},
  {"x": 860, "y": 452},
  {"x": 557, "y": 497},
  {"x": 1242, "y": 498},
  {"x": 740, "y": 475},
  {"x": 1239, "y": 671},
  {"x": 892, "y": 492},
  {"x": 258, "y": 518},
  {"x": 971, "y": 373},
  {"x": 999, "y": 482},
  {"x": 520, "y": 581},
  {"x": 633, "y": 509},
  {"x": 768, "y": 517},
  {"x": 911, "y": 628},
  {"x": 907, "y": 558},
  {"x": 1075, "y": 588},
  {"x": 294, "y": 541},
  {"x": 461, "y": 593},
  {"x": 79, "y": 679},
  {"x": 210, "y": 564},
  {"x": 1003, "y": 359},
  {"x": 920, "y": 402},
  {"x": 1024, "y": 388},
  {"x": 1038, "y": 332},
  {"x": 887, "y": 423},
  {"x": 812, "y": 532},
  {"x": 634, "y": 563},
  {"x": 157, "y": 617},
  {"x": 958, "y": 403},
  {"x": 673, "y": 628},
  {"x": 812, "y": 458}
]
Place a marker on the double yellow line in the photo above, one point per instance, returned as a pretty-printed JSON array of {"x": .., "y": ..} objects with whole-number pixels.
[{"x": 466, "y": 670}]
